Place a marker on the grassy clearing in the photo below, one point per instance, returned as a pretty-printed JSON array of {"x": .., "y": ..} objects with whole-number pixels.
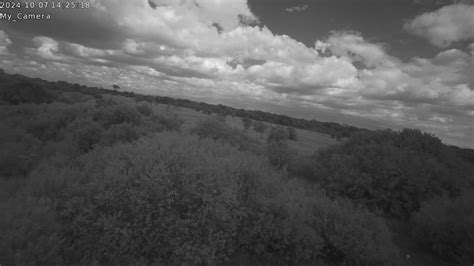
[{"x": 307, "y": 142}]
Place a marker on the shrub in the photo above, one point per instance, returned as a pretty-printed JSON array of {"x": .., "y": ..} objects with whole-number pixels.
[
  {"x": 278, "y": 154},
  {"x": 173, "y": 199},
  {"x": 277, "y": 147},
  {"x": 446, "y": 227},
  {"x": 246, "y": 122},
  {"x": 277, "y": 134},
  {"x": 25, "y": 92},
  {"x": 382, "y": 171},
  {"x": 119, "y": 133},
  {"x": 164, "y": 199},
  {"x": 87, "y": 134},
  {"x": 301, "y": 166},
  {"x": 18, "y": 152},
  {"x": 144, "y": 109},
  {"x": 260, "y": 128},
  {"x": 74, "y": 97},
  {"x": 47, "y": 126},
  {"x": 298, "y": 224},
  {"x": 214, "y": 129},
  {"x": 158, "y": 123},
  {"x": 101, "y": 102},
  {"x": 29, "y": 232},
  {"x": 291, "y": 133},
  {"x": 117, "y": 114}
]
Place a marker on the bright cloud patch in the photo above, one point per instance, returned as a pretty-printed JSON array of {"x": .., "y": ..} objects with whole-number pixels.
[
  {"x": 296, "y": 8},
  {"x": 47, "y": 48},
  {"x": 447, "y": 25},
  {"x": 352, "y": 46},
  {"x": 4, "y": 42}
]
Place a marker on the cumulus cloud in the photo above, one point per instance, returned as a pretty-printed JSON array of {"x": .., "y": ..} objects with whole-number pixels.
[
  {"x": 353, "y": 47},
  {"x": 296, "y": 8},
  {"x": 445, "y": 26},
  {"x": 47, "y": 48},
  {"x": 4, "y": 42},
  {"x": 442, "y": 79}
]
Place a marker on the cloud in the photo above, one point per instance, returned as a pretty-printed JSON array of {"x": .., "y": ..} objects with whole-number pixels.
[
  {"x": 47, "y": 48},
  {"x": 299, "y": 8},
  {"x": 435, "y": 94},
  {"x": 4, "y": 42},
  {"x": 353, "y": 47},
  {"x": 442, "y": 79},
  {"x": 445, "y": 26}
]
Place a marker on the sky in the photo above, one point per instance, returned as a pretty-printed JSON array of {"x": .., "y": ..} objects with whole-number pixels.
[{"x": 368, "y": 63}]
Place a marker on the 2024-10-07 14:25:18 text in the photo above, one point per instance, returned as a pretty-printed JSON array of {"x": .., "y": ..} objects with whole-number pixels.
[{"x": 45, "y": 5}]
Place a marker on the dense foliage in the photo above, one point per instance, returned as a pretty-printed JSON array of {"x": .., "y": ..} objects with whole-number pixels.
[
  {"x": 392, "y": 171},
  {"x": 175, "y": 199},
  {"x": 446, "y": 227}
]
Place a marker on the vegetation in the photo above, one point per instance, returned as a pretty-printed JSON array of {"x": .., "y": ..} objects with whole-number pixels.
[
  {"x": 277, "y": 147},
  {"x": 216, "y": 129},
  {"x": 335, "y": 130},
  {"x": 291, "y": 133},
  {"x": 260, "y": 128},
  {"x": 88, "y": 176},
  {"x": 446, "y": 227},
  {"x": 247, "y": 122},
  {"x": 392, "y": 171}
]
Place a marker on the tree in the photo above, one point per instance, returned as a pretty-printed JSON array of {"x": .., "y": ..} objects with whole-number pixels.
[{"x": 116, "y": 87}]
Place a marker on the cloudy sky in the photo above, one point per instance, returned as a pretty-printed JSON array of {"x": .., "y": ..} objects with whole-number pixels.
[{"x": 371, "y": 63}]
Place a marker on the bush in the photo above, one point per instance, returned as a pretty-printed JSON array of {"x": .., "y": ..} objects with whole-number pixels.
[
  {"x": 298, "y": 224},
  {"x": 25, "y": 92},
  {"x": 29, "y": 232},
  {"x": 217, "y": 130},
  {"x": 87, "y": 135},
  {"x": 301, "y": 166},
  {"x": 18, "y": 152},
  {"x": 446, "y": 227},
  {"x": 277, "y": 134},
  {"x": 173, "y": 199},
  {"x": 165, "y": 199},
  {"x": 101, "y": 102},
  {"x": 117, "y": 114},
  {"x": 144, "y": 109},
  {"x": 158, "y": 123},
  {"x": 291, "y": 133},
  {"x": 384, "y": 171},
  {"x": 119, "y": 133},
  {"x": 74, "y": 97},
  {"x": 246, "y": 122},
  {"x": 277, "y": 147},
  {"x": 47, "y": 125},
  {"x": 278, "y": 154},
  {"x": 260, "y": 128}
]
